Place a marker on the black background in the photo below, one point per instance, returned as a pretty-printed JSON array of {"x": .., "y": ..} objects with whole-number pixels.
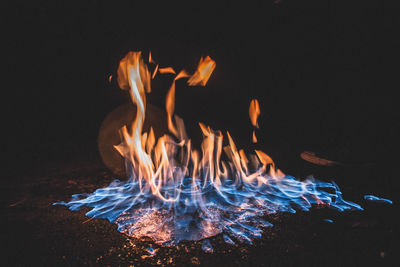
[{"x": 325, "y": 74}]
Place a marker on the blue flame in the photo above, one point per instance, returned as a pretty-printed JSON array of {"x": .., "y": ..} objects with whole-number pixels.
[
  {"x": 236, "y": 209},
  {"x": 377, "y": 199}
]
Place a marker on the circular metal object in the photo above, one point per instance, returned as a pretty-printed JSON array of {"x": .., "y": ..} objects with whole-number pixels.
[{"x": 109, "y": 132}]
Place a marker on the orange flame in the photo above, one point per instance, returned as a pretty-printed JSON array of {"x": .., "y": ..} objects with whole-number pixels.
[
  {"x": 154, "y": 160},
  {"x": 133, "y": 72},
  {"x": 170, "y": 107},
  {"x": 254, "y": 137},
  {"x": 151, "y": 59},
  {"x": 154, "y": 72},
  {"x": 204, "y": 70},
  {"x": 166, "y": 70},
  {"x": 254, "y": 112}
]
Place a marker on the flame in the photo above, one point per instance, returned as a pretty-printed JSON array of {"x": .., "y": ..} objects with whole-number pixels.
[
  {"x": 133, "y": 74},
  {"x": 151, "y": 59},
  {"x": 254, "y": 112},
  {"x": 170, "y": 107},
  {"x": 254, "y": 137},
  {"x": 204, "y": 70},
  {"x": 166, "y": 70},
  {"x": 154, "y": 72},
  {"x": 176, "y": 192}
]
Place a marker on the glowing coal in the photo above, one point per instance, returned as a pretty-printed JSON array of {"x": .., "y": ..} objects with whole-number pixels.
[{"x": 175, "y": 192}]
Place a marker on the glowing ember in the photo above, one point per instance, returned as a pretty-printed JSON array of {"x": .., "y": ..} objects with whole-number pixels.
[{"x": 175, "y": 192}]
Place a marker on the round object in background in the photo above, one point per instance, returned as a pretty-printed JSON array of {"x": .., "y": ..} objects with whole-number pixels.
[{"x": 109, "y": 132}]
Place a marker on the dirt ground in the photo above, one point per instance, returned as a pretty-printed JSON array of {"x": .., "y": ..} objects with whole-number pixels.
[{"x": 36, "y": 233}]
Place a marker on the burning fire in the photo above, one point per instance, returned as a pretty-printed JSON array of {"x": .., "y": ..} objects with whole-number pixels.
[{"x": 176, "y": 192}]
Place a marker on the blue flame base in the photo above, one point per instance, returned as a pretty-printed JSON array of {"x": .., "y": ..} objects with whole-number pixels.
[{"x": 235, "y": 209}]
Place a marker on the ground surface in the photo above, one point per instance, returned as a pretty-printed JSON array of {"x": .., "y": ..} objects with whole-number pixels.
[{"x": 36, "y": 233}]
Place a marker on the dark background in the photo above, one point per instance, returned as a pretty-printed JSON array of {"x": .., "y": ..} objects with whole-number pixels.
[{"x": 325, "y": 74}]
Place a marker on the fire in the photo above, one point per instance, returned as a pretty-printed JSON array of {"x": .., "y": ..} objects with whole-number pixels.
[
  {"x": 167, "y": 70},
  {"x": 204, "y": 70},
  {"x": 254, "y": 112},
  {"x": 177, "y": 192}
]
